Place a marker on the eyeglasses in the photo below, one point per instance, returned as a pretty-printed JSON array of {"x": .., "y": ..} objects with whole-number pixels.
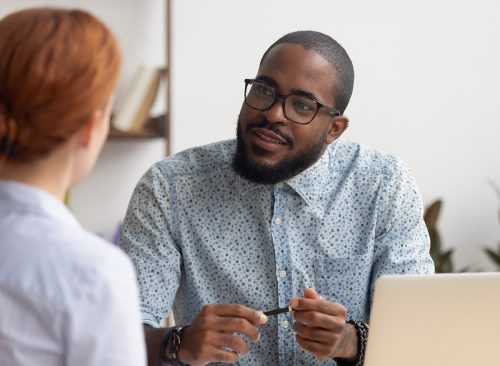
[{"x": 297, "y": 108}]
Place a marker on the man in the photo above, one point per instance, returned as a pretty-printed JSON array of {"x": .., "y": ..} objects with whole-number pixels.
[{"x": 286, "y": 215}]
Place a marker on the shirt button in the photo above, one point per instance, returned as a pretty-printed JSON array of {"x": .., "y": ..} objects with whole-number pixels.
[
  {"x": 277, "y": 221},
  {"x": 284, "y": 323},
  {"x": 282, "y": 274},
  {"x": 280, "y": 184}
]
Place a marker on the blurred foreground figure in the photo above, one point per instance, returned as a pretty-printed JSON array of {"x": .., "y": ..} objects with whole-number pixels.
[{"x": 66, "y": 296}]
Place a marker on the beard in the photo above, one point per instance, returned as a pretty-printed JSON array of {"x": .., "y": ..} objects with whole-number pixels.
[{"x": 284, "y": 169}]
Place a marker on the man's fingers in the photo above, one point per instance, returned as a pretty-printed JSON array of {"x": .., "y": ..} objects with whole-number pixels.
[
  {"x": 319, "y": 324},
  {"x": 227, "y": 325},
  {"x": 220, "y": 355},
  {"x": 234, "y": 343},
  {"x": 320, "y": 350},
  {"x": 238, "y": 325},
  {"x": 319, "y": 305},
  {"x": 217, "y": 334},
  {"x": 320, "y": 320},
  {"x": 316, "y": 334},
  {"x": 216, "y": 347},
  {"x": 232, "y": 318},
  {"x": 225, "y": 341},
  {"x": 310, "y": 293},
  {"x": 235, "y": 311}
]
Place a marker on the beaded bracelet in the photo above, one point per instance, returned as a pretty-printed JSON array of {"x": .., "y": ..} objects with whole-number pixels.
[{"x": 362, "y": 332}]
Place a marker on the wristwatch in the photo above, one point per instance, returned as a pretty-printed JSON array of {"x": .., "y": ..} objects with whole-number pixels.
[{"x": 169, "y": 345}]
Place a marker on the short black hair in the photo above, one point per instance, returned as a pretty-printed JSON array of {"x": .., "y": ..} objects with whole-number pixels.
[{"x": 331, "y": 51}]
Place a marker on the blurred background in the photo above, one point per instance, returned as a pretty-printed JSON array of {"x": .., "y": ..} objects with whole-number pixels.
[{"x": 427, "y": 89}]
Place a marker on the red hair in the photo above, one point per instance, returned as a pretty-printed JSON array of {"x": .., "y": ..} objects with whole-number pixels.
[{"x": 57, "y": 67}]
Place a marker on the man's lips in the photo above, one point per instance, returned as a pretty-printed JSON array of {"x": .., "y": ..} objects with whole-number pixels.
[{"x": 269, "y": 136}]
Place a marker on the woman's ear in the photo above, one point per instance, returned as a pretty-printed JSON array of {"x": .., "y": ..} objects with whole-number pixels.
[
  {"x": 86, "y": 132},
  {"x": 337, "y": 126}
]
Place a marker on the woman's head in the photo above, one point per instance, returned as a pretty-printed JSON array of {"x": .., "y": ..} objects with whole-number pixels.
[{"x": 57, "y": 68}]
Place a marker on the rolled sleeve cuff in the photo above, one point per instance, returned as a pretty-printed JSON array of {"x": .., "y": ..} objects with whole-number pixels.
[{"x": 150, "y": 319}]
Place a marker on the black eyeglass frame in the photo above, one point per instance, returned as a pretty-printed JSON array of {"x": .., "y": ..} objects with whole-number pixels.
[{"x": 334, "y": 112}]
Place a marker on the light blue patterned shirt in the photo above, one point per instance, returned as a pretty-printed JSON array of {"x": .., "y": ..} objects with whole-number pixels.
[{"x": 198, "y": 234}]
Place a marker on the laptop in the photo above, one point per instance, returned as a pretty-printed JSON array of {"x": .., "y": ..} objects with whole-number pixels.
[{"x": 435, "y": 320}]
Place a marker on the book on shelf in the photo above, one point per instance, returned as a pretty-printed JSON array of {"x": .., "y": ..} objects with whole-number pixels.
[{"x": 133, "y": 112}]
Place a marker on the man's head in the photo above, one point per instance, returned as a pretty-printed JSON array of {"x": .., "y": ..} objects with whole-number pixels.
[{"x": 294, "y": 107}]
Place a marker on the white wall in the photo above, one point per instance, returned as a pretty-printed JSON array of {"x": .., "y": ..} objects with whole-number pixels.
[{"x": 427, "y": 89}]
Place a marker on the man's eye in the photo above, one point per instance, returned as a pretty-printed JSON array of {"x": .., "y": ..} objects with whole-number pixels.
[
  {"x": 301, "y": 106},
  {"x": 264, "y": 90}
]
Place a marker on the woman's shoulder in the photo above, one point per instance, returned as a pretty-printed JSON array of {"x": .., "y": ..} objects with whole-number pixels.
[{"x": 65, "y": 267}]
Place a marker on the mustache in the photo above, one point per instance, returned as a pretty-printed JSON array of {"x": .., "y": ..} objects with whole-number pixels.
[{"x": 271, "y": 127}]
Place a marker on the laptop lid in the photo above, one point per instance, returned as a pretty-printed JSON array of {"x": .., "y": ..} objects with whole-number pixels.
[{"x": 435, "y": 320}]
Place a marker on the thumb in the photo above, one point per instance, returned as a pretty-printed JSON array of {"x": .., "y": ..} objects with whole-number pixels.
[{"x": 310, "y": 293}]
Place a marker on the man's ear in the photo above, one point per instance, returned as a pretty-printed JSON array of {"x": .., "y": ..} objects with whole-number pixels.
[
  {"x": 337, "y": 126},
  {"x": 86, "y": 132}
]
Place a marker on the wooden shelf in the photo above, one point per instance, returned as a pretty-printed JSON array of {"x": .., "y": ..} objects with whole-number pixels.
[
  {"x": 155, "y": 127},
  {"x": 159, "y": 126},
  {"x": 144, "y": 134}
]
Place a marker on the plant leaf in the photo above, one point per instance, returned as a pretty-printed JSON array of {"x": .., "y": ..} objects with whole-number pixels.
[
  {"x": 443, "y": 263},
  {"x": 493, "y": 256},
  {"x": 431, "y": 214},
  {"x": 446, "y": 256},
  {"x": 435, "y": 242},
  {"x": 496, "y": 188}
]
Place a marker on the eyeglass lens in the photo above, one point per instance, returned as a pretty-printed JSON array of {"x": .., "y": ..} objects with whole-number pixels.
[{"x": 298, "y": 108}]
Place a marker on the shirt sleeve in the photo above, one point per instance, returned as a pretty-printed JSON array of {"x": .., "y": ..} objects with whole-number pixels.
[
  {"x": 402, "y": 242},
  {"x": 104, "y": 326},
  {"x": 148, "y": 239}
]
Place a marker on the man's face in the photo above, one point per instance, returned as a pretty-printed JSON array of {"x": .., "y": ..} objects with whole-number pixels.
[{"x": 272, "y": 148}]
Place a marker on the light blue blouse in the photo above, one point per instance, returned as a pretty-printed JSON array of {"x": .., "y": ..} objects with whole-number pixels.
[{"x": 66, "y": 296}]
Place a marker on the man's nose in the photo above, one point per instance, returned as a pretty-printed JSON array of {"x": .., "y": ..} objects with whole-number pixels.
[{"x": 276, "y": 114}]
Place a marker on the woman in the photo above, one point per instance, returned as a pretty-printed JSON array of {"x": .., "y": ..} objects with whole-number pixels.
[{"x": 66, "y": 296}]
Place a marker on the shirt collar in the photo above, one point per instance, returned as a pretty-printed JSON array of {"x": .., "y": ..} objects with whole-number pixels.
[
  {"x": 26, "y": 199},
  {"x": 244, "y": 185},
  {"x": 305, "y": 183},
  {"x": 308, "y": 182}
]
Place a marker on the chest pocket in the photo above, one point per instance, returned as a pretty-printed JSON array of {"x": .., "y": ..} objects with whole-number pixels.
[{"x": 346, "y": 281}]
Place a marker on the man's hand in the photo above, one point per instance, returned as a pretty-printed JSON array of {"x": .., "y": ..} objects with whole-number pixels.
[
  {"x": 211, "y": 336},
  {"x": 321, "y": 327}
]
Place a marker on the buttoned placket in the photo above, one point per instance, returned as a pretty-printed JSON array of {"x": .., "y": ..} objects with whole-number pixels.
[{"x": 286, "y": 338}]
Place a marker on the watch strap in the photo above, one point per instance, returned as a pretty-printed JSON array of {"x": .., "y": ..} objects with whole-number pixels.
[{"x": 170, "y": 344}]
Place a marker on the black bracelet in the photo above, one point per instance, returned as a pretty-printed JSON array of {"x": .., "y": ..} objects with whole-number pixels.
[
  {"x": 170, "y": 344},
  {"x": 362, "y": 332}
]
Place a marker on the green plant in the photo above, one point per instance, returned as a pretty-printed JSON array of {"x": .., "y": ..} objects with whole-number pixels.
[
  {"x": 442, "y": 258},
  {"x": 494, "y": 256},
  {"x": 67, "y": 198},
  {"x": 491, "y": 253}
]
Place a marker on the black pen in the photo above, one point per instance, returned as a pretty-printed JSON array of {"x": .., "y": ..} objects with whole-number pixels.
[{"x": 288, "y": 309}]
